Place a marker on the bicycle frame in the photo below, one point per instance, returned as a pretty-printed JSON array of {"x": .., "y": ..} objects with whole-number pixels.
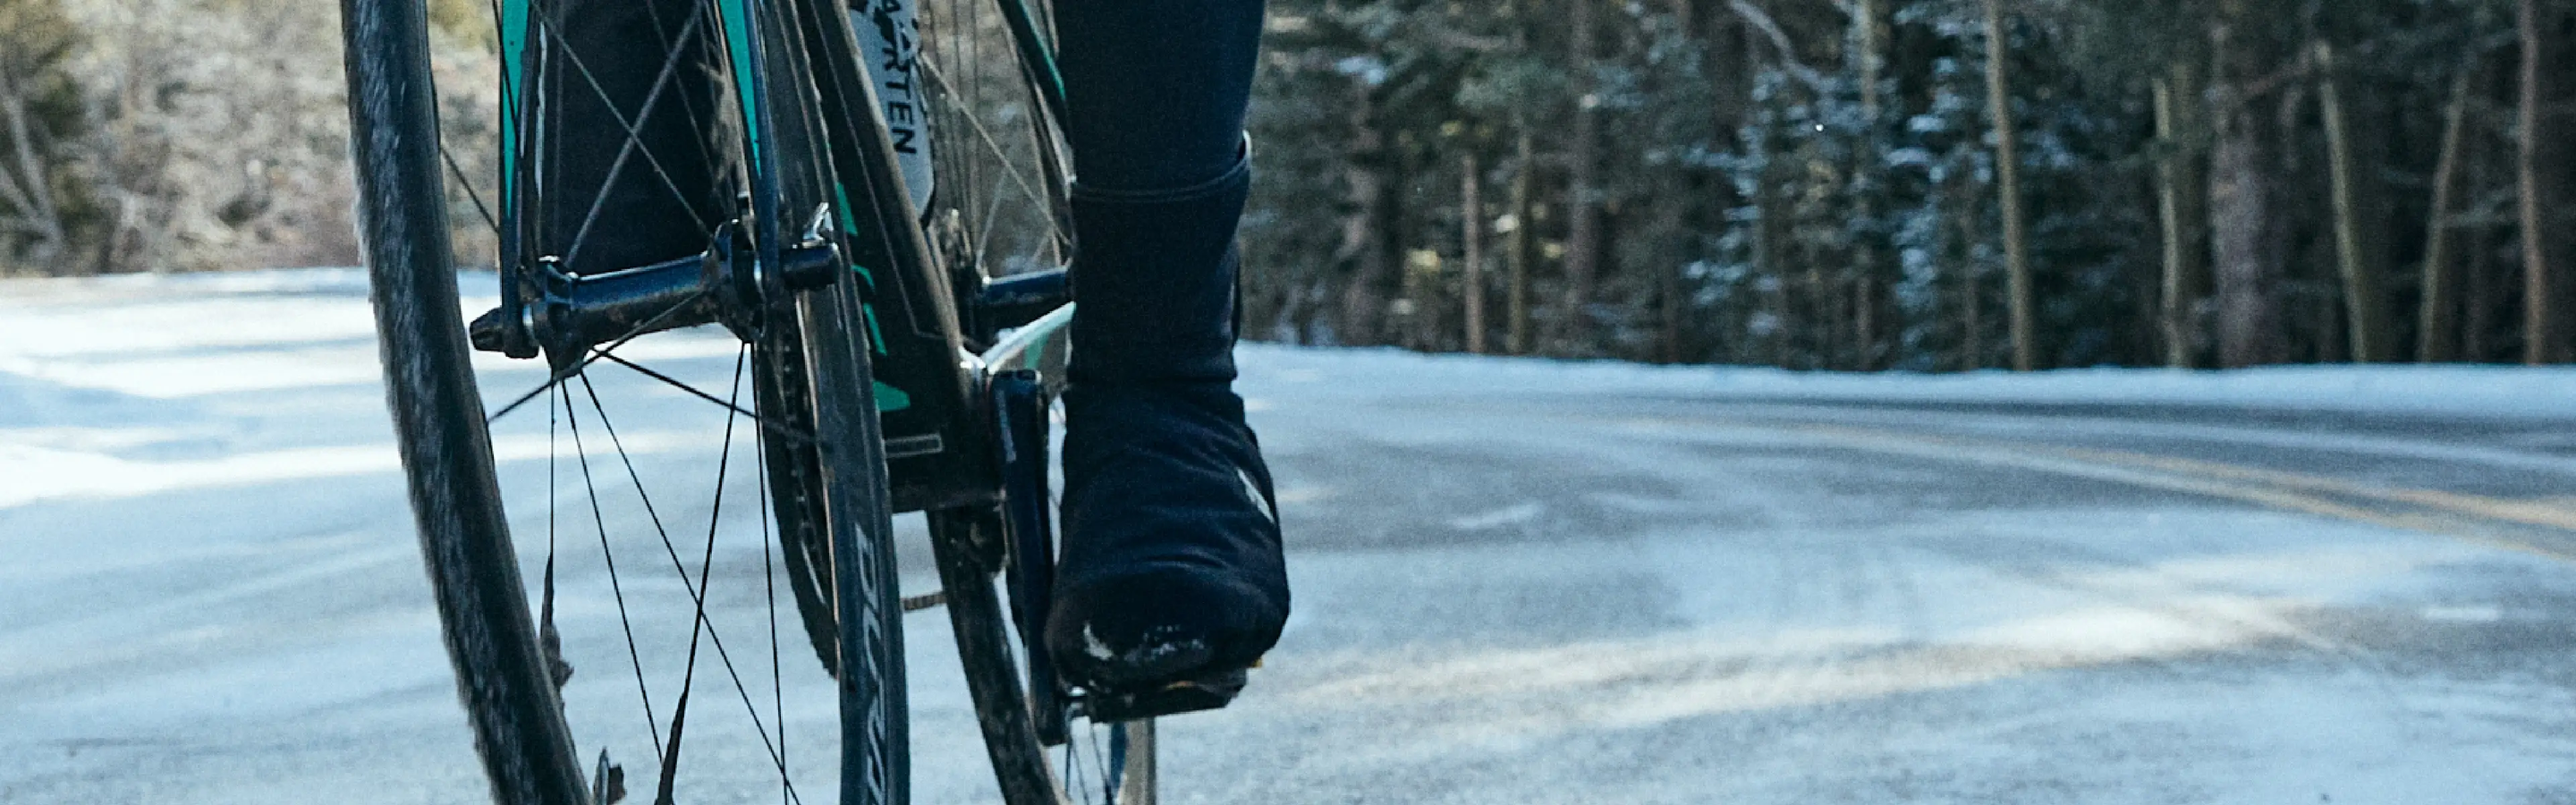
[{"x": 931, "y": 392}]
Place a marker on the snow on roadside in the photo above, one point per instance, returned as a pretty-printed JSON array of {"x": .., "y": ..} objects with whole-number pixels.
[
  {"x": 2448, "y": 390},
  {"x": 57, "y": 347},
  {"x": 131, "y": 385}
]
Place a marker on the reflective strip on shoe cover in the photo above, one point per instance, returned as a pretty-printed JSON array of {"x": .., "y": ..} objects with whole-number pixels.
[{"x": 1253, "y": 491}]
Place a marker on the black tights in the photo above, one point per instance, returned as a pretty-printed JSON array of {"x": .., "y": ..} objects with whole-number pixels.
[{"x": 1156, "y": 89}]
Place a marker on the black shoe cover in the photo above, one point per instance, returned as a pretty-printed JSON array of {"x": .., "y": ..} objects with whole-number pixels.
[{"x": 1171, "y": 566}]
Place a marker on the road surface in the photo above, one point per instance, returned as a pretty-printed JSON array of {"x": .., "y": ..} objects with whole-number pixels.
[{"x": 1512, "y": 585}]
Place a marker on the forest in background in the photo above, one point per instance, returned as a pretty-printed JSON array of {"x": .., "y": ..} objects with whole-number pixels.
[
  {"x": 1864, "y": 184},
  {"x": 1815, "y": 184}
]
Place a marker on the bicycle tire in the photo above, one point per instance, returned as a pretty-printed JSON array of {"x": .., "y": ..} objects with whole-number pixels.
[
  {"x": 994, "y": 102},
  {"x": 438, "y": 412},
  {"x": 868, "y": 605},
  {"x": 978, "y": 75},
  {"x": 509, "y": 678},
  {"x": 994, "y": 681}
]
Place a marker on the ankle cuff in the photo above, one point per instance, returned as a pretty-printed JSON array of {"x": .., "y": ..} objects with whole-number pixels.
[
  {"x": 1234, "y": 174},
  {"x": 1154, "y": 272}
]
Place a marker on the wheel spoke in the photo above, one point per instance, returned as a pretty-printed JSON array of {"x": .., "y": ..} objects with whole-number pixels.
[
  {"x": 615, "y": 587},
  {"x": 730, "y": 405},
  {"x": 468, "y": 186},
  {"x": 634, "y": 143},
  {"x": 634, "y": 137},
  {"x": 1099, "y": 760},
  {"x": 940, "y": 81},
  {"x": 697, "y": 595},
  {"x": 769, "y": 597},
  {"x": 698, "y": 617},
  {"x": 509, "y": 95}
]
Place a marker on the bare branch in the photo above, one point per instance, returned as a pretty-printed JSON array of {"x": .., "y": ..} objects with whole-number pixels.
[
  {"x": 33, "y": 195},
  {"x": 1761, "y": 21}
]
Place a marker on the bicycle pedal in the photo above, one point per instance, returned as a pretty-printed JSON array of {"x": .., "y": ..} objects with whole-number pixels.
[{"x": 1186, "y": 696}]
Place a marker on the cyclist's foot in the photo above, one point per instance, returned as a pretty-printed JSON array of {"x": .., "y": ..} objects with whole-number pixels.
[
  {"x": 1171, "y": 580},
  {"x": 1172, "y": 698}
]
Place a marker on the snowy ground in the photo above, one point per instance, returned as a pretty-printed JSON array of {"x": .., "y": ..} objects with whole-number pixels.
[{"x": 1517, "y": 581}]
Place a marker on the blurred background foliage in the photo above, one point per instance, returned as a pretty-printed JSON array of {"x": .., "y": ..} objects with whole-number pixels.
[{"x": 1820, "y": 184}]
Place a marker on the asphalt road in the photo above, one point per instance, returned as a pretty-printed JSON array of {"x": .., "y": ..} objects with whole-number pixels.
[{"x": 208, "y": 590}]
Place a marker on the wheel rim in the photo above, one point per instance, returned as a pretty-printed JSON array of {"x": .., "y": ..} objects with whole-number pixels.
[
  {"x": 1000, "y": 209},
  {"x": 659, "y": 591}
]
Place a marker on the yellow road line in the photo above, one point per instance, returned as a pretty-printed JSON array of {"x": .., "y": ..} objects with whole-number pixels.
[
  {"x": 2466, "y": 513},
  {"x": 2526, "y": 512}
]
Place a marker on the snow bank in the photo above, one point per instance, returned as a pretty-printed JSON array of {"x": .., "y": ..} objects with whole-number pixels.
[
  {"x": 2459, "y": 390},
  {"x": 2450, "y": 390}
]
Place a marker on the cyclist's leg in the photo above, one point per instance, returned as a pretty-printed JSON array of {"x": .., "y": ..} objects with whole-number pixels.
[
  {"x": 1156, "y": 92},
  {"x": 597, "y": 74},
  {"x": 1157, "y": 88},
  {"x": 1172, "y": 562}
]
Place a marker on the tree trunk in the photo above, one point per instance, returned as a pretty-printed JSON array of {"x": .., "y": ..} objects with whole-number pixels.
[
  {"x": 2539, "y": 166},
  {"x": 2330, "y": 340},
  {"x": 1825, "y": 315},
  {"x": 1869, "y": 42},
  {"x": 1519, "y": 251},
  {"x": 2245, "y": 237},
  {"x": 1668, "y": 344},
  {"x": 1972, "y": 323},
  {"x": 1471, "y": 217},
  {"x": 2483, "y": 276},
  {"x": 2358, "y": 246},
  {"x": 1582, "y": 192},
  {"x": 2182, "y": 185},
  {"x": 1418, "y": 311},
  {"x": 1724, "y": 62},
  {"x": 2479, "y": 297},
  {"x": 1367, "y": 243},
  {"x": 2008, "y": 185},
  {"x": 2437, "y": 328},
  {"x": 1669, "y": 225},
  {"x": 1766, "y": 258},
  {"x": 1865, "y": 324}
]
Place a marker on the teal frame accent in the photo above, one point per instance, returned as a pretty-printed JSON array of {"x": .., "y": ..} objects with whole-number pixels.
[
  {"x": 867, "y": 310},
  {"x": 514, "y": 44},
  {"x": 736, "y": 15},
  {"x": 890, "y": 398}
]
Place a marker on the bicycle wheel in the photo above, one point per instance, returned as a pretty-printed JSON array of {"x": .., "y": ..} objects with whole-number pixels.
[
  {"x": 1108, "y": 763},
  {"x": 987, "y": 162},
  {"x": 607, "y": 657}
]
